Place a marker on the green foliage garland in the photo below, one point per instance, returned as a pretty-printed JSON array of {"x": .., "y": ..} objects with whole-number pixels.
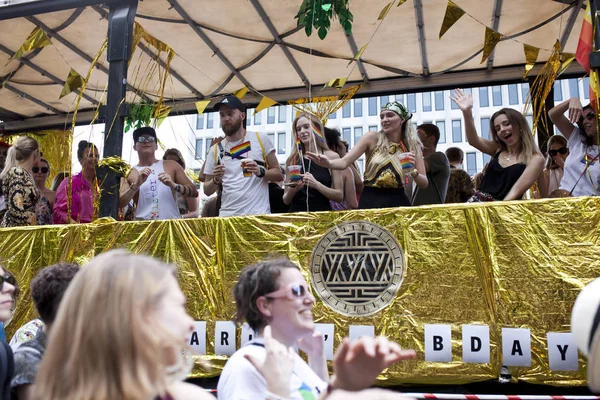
[{"x": 319, "y": 13}]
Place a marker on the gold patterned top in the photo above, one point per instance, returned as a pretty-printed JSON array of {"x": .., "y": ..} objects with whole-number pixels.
[
  {"x": 21, "y": 195},
  {"x": 383, "y": 169}
]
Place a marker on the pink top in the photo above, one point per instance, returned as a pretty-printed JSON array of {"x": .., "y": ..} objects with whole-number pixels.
[{"x": 82, "y": 201}]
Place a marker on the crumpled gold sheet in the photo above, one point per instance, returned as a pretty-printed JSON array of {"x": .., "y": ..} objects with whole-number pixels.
[{"x": 505, "y": 264}]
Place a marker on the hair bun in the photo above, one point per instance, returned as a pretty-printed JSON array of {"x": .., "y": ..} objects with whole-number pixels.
[{"x": 83, "y": 144}]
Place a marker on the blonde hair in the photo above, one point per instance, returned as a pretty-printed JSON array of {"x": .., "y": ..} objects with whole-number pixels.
[
  {"x": 528, "y": 147},
  {"x": 101, "y": 346},
  {"x": 20, "y": 151},
  {"x": 176, "y": 153},
  {"x": 320, "y": 144},
  {"x": 409, "y": 138}
]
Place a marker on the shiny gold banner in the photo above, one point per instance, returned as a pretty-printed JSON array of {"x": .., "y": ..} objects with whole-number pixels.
[{"x": 504, "y": 265}]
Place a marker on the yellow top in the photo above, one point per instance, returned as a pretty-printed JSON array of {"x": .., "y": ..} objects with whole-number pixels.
[{"x": 383, "y": 169}]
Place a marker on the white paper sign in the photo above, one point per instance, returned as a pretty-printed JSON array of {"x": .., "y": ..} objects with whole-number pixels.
[
  {"x": 327, "y": 331},
  {"x": 438, "y": 342},
  {"x": 197, "y": 340},
  {"x": 562, "y": 351},
  {"x": 247, "y": 333},
  {"x": 357, "y": 331},
  {"x": 476, "y": 344},
  {"x": 224, "y": 338},
  {"x": 516, "y": 347}
]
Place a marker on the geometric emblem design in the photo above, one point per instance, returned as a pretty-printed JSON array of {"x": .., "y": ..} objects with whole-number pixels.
[{"x": 357, "y": 267}]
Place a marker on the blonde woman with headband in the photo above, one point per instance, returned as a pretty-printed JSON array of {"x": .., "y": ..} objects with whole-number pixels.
[
  {"x": 18, "y": 186},
  {"x": 394, "y": 158},
  {"x": 318, "y": 183}
]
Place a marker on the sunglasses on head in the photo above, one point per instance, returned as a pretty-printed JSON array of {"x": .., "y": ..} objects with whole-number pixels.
[
  {"x": 562, "y": 150},
  {"x": 292, "y": 291},
  {"x": 43, "y": 170},
  {"x": 10, "y": 279},
  {"x": 144, "y": 139}
]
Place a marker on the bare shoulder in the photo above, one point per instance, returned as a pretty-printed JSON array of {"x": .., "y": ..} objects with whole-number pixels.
[
  {"x": 332, "y": 155},
  {"x": 171, "y": 166},
  {"x": 188, "y": 391}
]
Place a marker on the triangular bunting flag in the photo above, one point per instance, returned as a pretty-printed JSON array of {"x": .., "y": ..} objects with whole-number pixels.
[
  {"x": 36, "y": 40},
  {"x": 336, "y": 83},
  {"x": 201, "y": 105},
  {"x": 264, "y": 103},
  {"x": 359, "y": 54},
  {"x": 241, "y": 93},
  {"x": 491, "y": 40},
  {"x": 385, "y": 11},
  {"x": 566, "y": 59},
  {"x": 74, "y": 81},
  {"x": 453, "y": 14},
  {"x": 531, "y": 55}
]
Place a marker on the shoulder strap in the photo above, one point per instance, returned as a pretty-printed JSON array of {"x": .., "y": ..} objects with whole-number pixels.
[
  {"x": 221, "y": 153},
  {"x": 262, "y": 148}
]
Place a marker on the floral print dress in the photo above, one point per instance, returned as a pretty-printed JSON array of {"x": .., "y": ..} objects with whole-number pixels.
[
  {"x": 43, "y": 211},
  {"x": 21, "y": 194}
]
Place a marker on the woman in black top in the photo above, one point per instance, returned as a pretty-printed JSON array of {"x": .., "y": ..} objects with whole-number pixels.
[
  {"x": 320, "y": 183},
  {"x": 516, "y": 162}
]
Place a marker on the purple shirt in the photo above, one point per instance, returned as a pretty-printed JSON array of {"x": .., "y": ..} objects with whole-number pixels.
[{"x": 82, "y": 201}]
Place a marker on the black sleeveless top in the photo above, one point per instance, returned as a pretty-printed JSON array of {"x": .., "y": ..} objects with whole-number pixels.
[
  {"x": 498, "y": 181},
  {"x": 316, "y": 200}
]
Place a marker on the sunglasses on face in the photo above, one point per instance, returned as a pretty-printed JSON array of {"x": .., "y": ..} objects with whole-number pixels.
[
  {"x": 146, "y": 139},
  {"x": 563, "y": 150},
  {"x": 590, "y": 117},
  {"x": 10, "y": 279},
  {"x": 292, "y": 291},
  {"x": 43, "y": 170}
]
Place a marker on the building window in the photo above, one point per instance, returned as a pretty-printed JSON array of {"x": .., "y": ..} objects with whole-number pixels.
[
  {"x": 257, "y": 119},
  {"x": 282, "y": 111},
  {"x": 200, "y": 121},
  {"x": 439, "y": 101},
  {"x": 529, "y": 119},
  {"x": 399, "y": 98},
  {"x": 207, "y": 145},
  {"x": 346, "y": 110},
  {"x": 513, "y": 94},
  {"x": 471, "y": 163},
  {"x": 586, "y": 88},
  {"x": 372, "y": 105},
  {"x": 484, "y": 97},
  {"x": 497, "y": 95},
  {"x": 333, "y": 115},
  {"x": 557, "y": 91},
  {"x": 346, "y": 132},
  {"x": 358, "y": 132},
  {"x": 281, "y": 143},
  {"x": 442, "y": 127},
  {"x": 383, "y": 100},
  {"x": 486, "y": 159},
  {"x": 456, "y": 131},
  {"x": 271, "y": 115},
  {"x": 199, "y": 149},
  {"x": 574, "y": 88},
  {"x": 485, "y": 128},
  {"x": 411, "y": 99},
  {"x": 524, "y": 91},
  {"x": 210, "y": 120},
  {"x": 426, "y": 101},
  {"x": 271, "y": 137},
  {"x": 373, "y": 128},
  {"x": 358, "y": 107},
  {"x": 248, "y": 117}
]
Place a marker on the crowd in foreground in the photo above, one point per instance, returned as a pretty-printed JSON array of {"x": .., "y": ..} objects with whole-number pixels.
[{"x": 242, "y": 174}]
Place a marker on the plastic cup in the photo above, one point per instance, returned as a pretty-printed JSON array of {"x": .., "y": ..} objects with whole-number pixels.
[
  {"x": 294, "y": 172},
  {"x": 245, "y": 161},
  {"x": 405, "y": 161}
]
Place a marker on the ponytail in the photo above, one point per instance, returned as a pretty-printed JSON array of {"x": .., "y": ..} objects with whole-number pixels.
[
  {"x": 20, "y": 151},
  {"x": 11, "y": 161}
]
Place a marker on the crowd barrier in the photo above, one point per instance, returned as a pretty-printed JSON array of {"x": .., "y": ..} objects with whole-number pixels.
[{"x": 471, "y": 287}]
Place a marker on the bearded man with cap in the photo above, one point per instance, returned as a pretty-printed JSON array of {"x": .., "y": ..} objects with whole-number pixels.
[
  {"x": 240, "y": 195},
  {"x": 152, "y": 183},
  {"x": 394, "y": 160}
]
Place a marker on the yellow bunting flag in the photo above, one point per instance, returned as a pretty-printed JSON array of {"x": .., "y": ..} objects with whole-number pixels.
[
  {"x": 241, "y": 93},
  {"x": 453, "y": 14},
  {"x": 491, "y": 40},
  {"x": 336, "y": 83},
  {"x": 74, "y": 81},
  {"x": 36, "y": 40},
  {"x": 400, "y": 2},
  {"x": 385, "y": 11},
  {"x": 264, "y": 103},
  {"x": 531, "y": 55},
  {"x": 359, "y": 54},
  {"x": 201, "y": 105},
  {"x": 161, "y": 113},
  {"x": 566, "y": 60}
]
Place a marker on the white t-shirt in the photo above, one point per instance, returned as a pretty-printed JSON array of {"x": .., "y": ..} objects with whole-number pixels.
[
  {"x": 155, "y": 200},
  {"x": 242, "y": 195},
  {"x": 241, "y": 381},
  {"x": 589, "y": 184}
]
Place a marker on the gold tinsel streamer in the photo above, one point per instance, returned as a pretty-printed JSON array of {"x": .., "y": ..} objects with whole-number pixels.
[
  {"x": 531, "y": 55},
  {"x": 116, "y": 164},
  {"x": 491, "y": 40},
  {"x": 73, "y": 82},
  {"x": 462, "y": 268},
  {"x": 193, "y": 176},
  {"x": 36, "y": 40},
  {"x": 453, "y": 14},
  {"x": 323, "y": 107}
]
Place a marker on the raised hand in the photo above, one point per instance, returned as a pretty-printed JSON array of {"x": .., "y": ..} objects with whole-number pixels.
[
  {"x": 462, "y": 100},
  {"x": 575, "y": 110},
  {"x": 313, "y": 345}
]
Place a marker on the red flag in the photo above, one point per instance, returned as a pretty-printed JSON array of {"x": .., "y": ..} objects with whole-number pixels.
[{"x": 586, "y": 40}]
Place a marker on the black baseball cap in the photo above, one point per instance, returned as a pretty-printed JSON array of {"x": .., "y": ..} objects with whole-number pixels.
[
  {"x": 145, "y": 130},
  {"x": 231, "y": 102}
]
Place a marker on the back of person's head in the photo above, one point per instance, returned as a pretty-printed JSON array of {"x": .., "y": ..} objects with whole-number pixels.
[
  {"x": 175, "y": 153},
  {"x": 209, "y": 209},
  {"x": 256, "y": 281},
  {"x": 333, "y": 138},
  {"x": 83, "y": 146},
  {"x": 21, "y": 150},
  {"x": 48, "y": 288},
  {"x": 106, "y": 341},
  {"x": 431, "y": 130},
  {"x": 455, "y": 155},
  {"x": 58, "y": 179}
]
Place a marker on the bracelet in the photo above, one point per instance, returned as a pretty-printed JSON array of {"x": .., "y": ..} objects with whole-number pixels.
[
  {"x": 414, "y": 173},
  {"x": 262, "y": 172},
  {"x": 272, "y": 396}
]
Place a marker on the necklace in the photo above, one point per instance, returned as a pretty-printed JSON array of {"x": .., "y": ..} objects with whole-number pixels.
[{"x": 508, "y": 157}]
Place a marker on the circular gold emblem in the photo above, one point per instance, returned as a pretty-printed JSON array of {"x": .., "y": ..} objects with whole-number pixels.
[{"x": 357, "y": 268}]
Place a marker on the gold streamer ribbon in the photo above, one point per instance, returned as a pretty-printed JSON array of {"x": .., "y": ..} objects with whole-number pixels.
[
  {"x": 453, "y": 14},
  {"x": 116, "y": 164},
  {"x": 324, "y": 106},
  {"x": 491, "y": 40},
  {"x": 36, "y": 40}
]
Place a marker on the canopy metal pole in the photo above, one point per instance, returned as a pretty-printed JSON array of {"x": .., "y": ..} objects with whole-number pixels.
[{"x": 46, "y": 6}]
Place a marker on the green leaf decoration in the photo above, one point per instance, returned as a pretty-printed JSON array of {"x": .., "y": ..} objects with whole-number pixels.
[{"x": 318, "y": 14}]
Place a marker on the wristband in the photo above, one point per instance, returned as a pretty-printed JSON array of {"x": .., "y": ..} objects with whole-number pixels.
[
  {"x": 262, "y": 172},
  {"x": 414, "y": 173}
]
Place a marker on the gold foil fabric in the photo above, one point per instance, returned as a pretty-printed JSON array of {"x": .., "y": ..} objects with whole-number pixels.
[
  {"x": 74, "y": 81},
  {"x": 36, "y": 40},
  {"x": 503, "y": 264}
]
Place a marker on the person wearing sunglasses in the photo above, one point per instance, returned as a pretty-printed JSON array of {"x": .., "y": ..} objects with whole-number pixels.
[
  {"x": 84, "y": 189},
  {"x": 549, "y": 180},
  {"x": 582, "y": 170},
  {"x": 45, "y": 204},
  {"x": 274, "y": 293},
  {"x": 9, "y": 290}
]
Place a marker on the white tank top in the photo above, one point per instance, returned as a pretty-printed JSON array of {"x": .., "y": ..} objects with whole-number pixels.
[{"x": 156, "y": 200}]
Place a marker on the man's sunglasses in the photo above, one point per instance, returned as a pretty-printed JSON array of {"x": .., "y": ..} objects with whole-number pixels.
[
  {"x": 562, "y": 150},
  {"x": 292, "y": 291},
  {"x": 590, "y": 117},
  {"x": 11, "y": 280},
  {"x": 144, "y": 139},
  {"x": 43, "y": 170}
]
